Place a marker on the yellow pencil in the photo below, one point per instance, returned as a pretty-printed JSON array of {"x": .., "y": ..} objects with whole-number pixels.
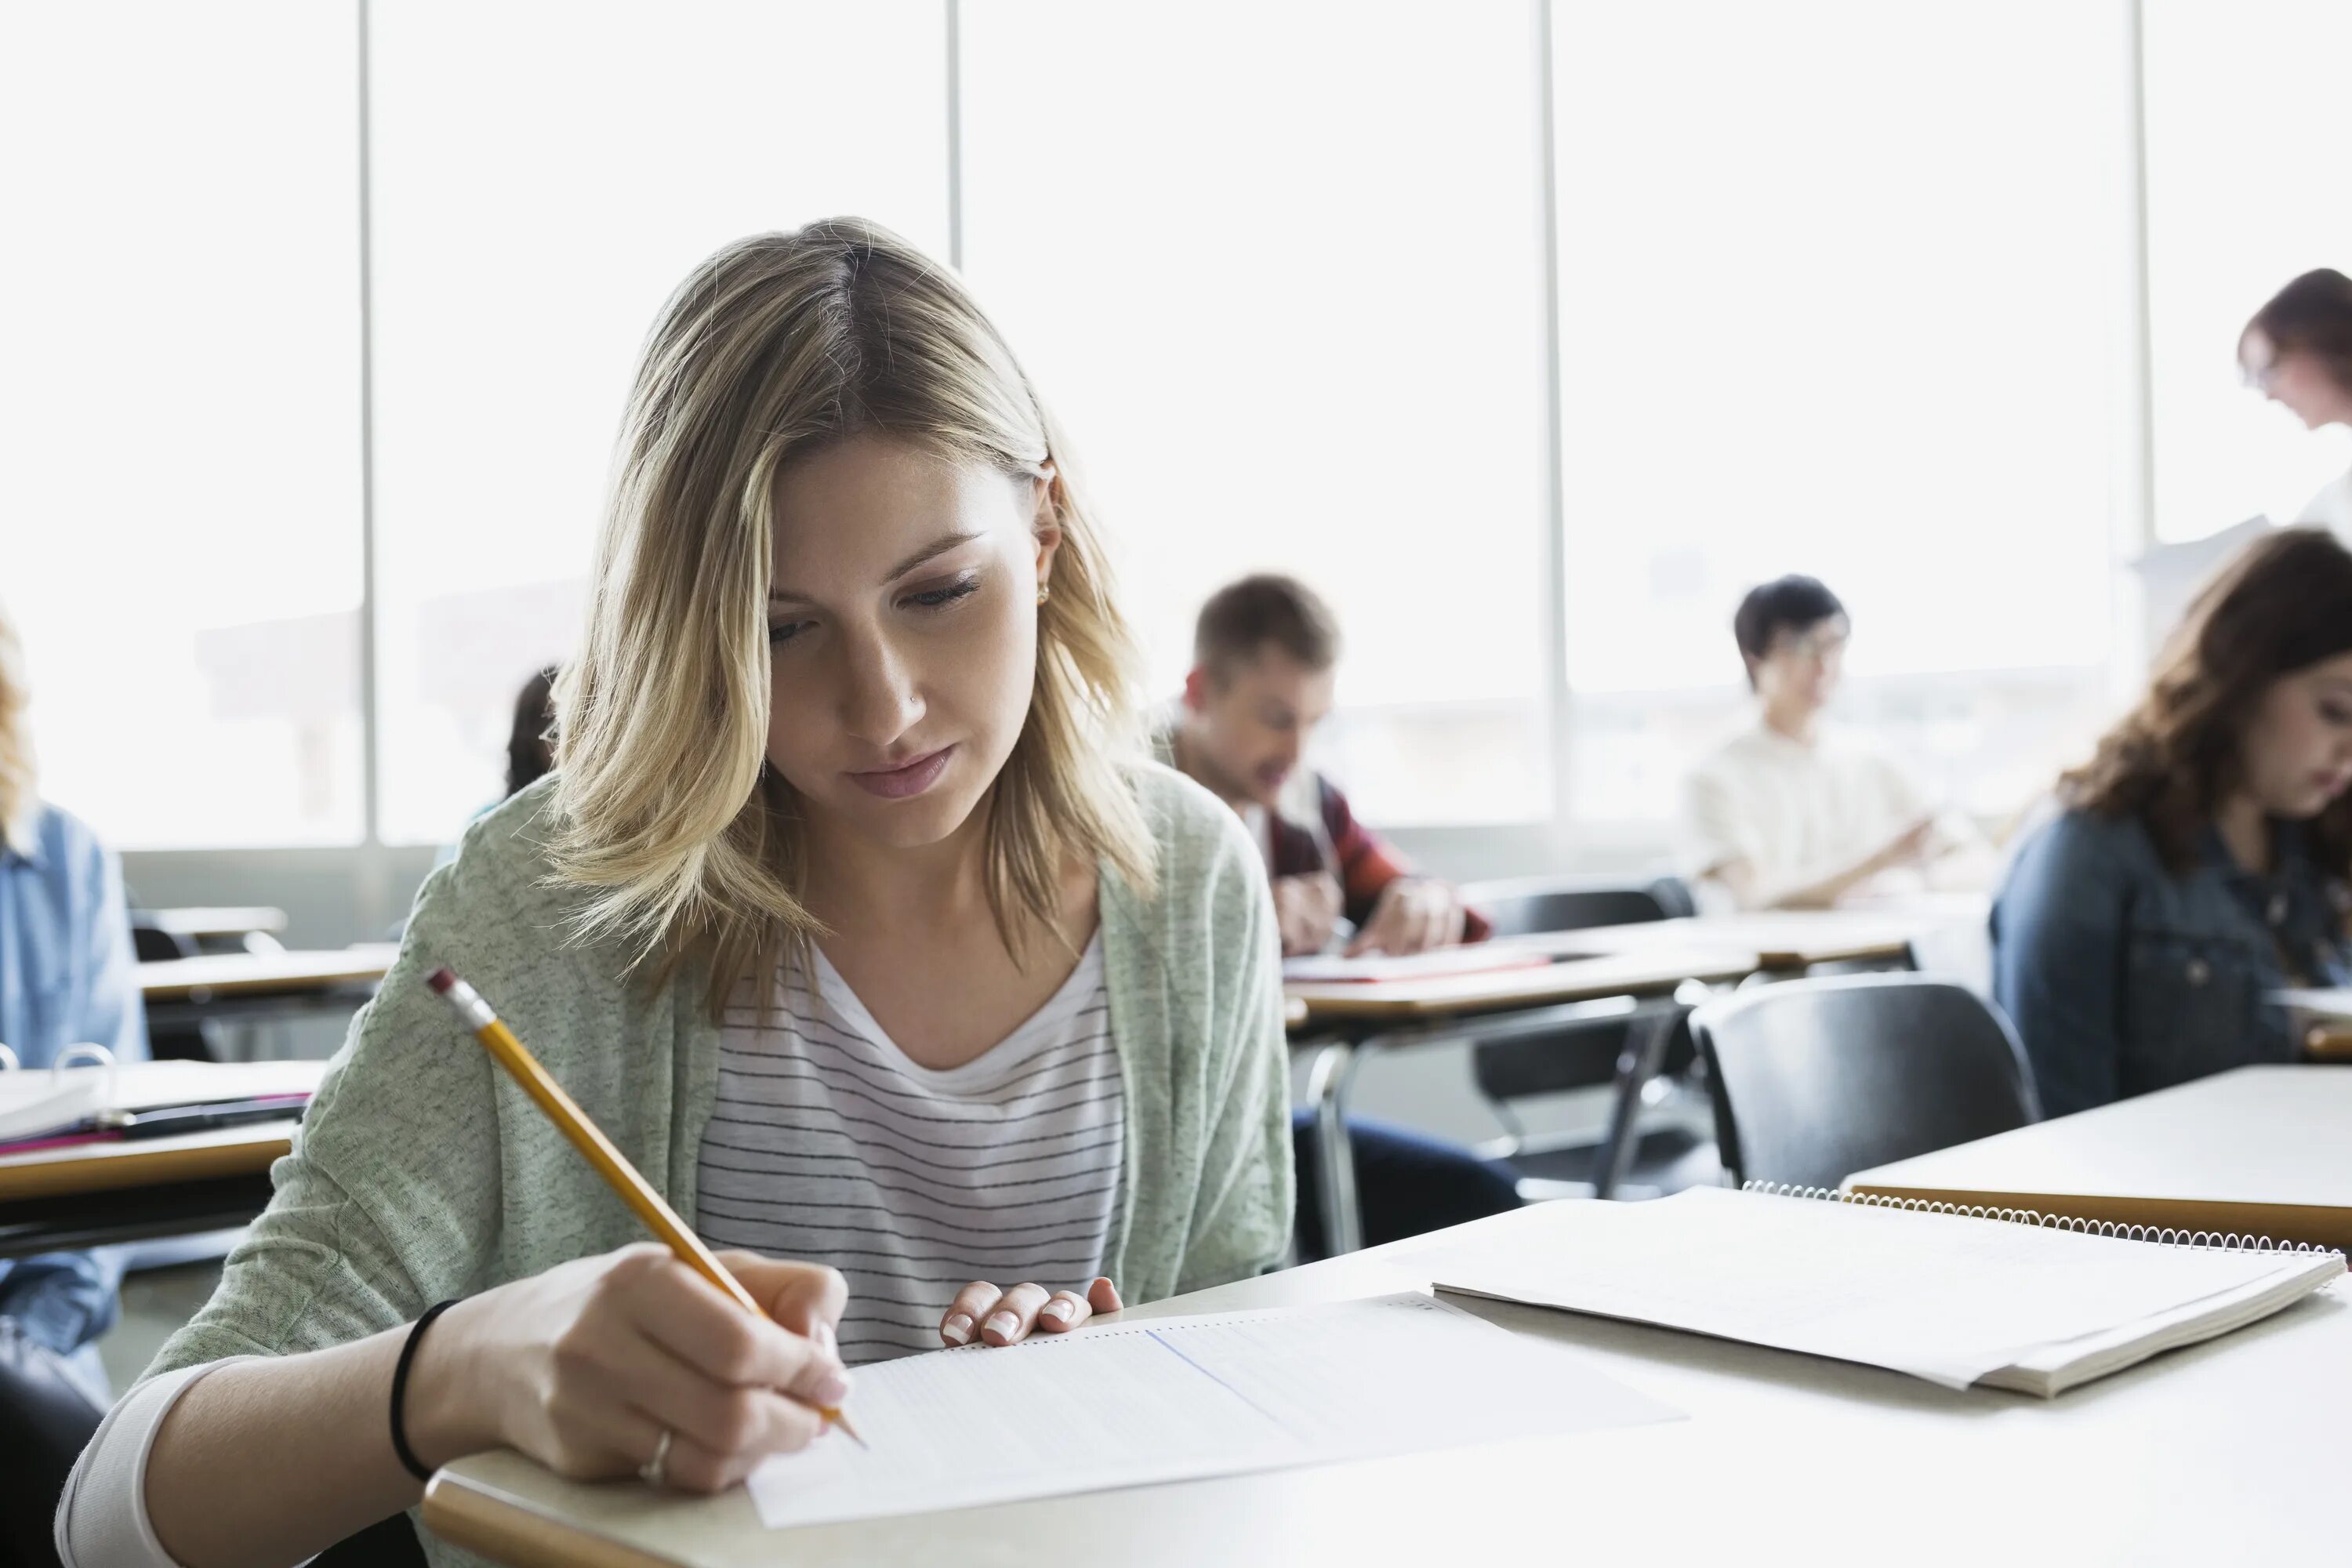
[{"x": 590, "y": 1140}]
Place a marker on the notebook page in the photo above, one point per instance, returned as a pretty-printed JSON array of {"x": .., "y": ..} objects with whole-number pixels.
[
  {"x": 1942, "y": 1296},
  {"x": 1176, "y": 1398}
]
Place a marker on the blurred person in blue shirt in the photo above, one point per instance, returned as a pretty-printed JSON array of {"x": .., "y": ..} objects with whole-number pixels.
[
  {"x": 67, "y": 976},
  {"x": 2202, "y": 861}
]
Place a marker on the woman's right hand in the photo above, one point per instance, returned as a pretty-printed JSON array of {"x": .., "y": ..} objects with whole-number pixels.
[{"x": 584, "y": 1367}]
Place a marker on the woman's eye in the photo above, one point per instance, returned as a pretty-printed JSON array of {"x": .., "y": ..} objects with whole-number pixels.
[
  {"x": 2336, "y": 714},
  {"x": 783, "y": 632},
  {"x": 940, "y": 598}
]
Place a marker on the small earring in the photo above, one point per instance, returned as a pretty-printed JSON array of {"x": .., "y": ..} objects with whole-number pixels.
[{"x": 1045, "y": 592}]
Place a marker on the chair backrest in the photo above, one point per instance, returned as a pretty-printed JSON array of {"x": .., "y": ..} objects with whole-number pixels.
[
  {"x": 150, "y": 940},
  {"x": 1524, "y": 906},
  {"x": 1815, "y": 1079},
  {"x": 1552, "y": 1063}
]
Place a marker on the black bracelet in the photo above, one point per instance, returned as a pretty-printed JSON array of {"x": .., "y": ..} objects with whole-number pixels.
[{"x": 400, "y": 1389}]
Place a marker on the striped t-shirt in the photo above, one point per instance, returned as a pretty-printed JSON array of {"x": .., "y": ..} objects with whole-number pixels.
[{"x": 828, "y": 1145}]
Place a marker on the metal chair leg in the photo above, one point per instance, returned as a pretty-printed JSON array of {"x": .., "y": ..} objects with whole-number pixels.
[{"x": 1327, "y": 1080}]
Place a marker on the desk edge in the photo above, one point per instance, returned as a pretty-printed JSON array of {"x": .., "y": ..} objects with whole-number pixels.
[
  {"x": 2313, "y": 1224},
  {"x": 508, "y": 1529}
]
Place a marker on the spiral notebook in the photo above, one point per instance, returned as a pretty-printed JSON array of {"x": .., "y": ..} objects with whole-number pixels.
[{"x": 1996, "y": 1298}]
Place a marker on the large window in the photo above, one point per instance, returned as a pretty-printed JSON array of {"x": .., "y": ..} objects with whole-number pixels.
[
  {"x": 1842, "y": 287},
  {"x": 545, "y": 174},
  {"x": 2246, "y": 189},
  {"x": 179, "y": 389},
  {"x": 1846, "y": 321},
  {"x": 1279, "y": 268}
]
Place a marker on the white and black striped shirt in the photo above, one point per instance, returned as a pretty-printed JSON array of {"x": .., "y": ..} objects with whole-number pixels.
[{"x": 827, "y": 1144}]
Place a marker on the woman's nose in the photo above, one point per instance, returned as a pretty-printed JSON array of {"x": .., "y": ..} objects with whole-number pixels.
[{"x": 879, "y": 702}]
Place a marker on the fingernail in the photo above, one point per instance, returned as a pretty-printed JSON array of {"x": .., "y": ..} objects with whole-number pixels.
[
  {"x": 1059, "y": 1312},
  {"x": 821, "y": 1337},
  {"x": 957, "y": 1329},
  {"x": 1005, "y": 1323},
  {"x": 832, "y": 1389}
]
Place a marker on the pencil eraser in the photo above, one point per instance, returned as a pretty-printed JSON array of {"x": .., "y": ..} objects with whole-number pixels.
[{"x": 441, "y": 980}]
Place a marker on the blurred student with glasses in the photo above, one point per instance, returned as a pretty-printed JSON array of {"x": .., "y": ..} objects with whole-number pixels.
[
  {"x": 1792, "y": 813},
  {"x": 2297, "y": 351}
]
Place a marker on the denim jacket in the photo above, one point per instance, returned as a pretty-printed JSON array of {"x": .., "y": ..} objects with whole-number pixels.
[{"x": 2122, "y": 977}]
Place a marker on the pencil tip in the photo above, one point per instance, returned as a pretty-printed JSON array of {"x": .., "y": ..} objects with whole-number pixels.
[{"x": 440, "y": 980}]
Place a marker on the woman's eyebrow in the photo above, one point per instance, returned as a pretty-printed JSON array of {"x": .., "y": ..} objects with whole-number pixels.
[{"x": 936, "y": 548}]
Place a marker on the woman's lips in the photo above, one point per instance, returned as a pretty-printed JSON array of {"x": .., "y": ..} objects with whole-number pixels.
[{"x": 908, "y": 779}]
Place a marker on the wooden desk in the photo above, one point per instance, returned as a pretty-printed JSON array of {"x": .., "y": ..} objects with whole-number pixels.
[
  {"x": 1782, "y": 939},
  {"x": 1366, "y": 1017},
  {"x": 223, "y": 987},
  {"x": 87, "y": 1193},
  {"x": 2221, "y": 1453},
  {"x": 61, "y": 1199},
  {"x": 217, "y": 922},
  {"x": 2262, "y": 1149},
  {"x": 1654, "y": 971},
  {"x": 253, "y": 974}
]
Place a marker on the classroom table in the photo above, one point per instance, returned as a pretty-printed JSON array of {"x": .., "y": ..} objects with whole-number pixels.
[
  {"x": 1360, "y": 1019},
  {"x": 96, "y": 1193},
  {"x": 217, "y": 921},
  {"x": 250, "y": 986},
  {"x": 1791, "y": 940},
  {"x": 1633, "y": 969},
  {"x": 2226, "y": 1452},
  {"x": 2261, "y": 1151}
]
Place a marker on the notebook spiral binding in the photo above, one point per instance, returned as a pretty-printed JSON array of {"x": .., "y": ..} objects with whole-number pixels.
[{"x": 2163, "y": 1235}]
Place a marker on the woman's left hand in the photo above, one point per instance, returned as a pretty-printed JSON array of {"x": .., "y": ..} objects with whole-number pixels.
[{"x": 1005, "y": 1317}]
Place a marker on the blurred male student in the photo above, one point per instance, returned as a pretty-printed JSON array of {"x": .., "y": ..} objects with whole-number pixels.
[
  {"x": 1791, "y": 813},
  {"x": 1265, "y": 654}
]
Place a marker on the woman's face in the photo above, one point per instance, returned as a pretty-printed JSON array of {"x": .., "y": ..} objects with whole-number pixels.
[
  {"x": 2296, "y": 381},
  {"x": 2298, "y": 748},
  {"x": 902, "y": 631}
]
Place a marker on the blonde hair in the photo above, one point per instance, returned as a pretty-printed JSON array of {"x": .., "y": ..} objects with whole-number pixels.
[
  {"x": 19, "y": 798},
  {"x": 664, "y": 809}
]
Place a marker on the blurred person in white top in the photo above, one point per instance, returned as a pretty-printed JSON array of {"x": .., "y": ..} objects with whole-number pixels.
[
  {"x": 1790, "y": 814},
  {"x": 2297, "y": 351}
]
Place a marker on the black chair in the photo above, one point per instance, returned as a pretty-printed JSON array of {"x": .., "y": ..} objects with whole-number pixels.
[
  {"x": 1815, "y": 1079},
  {"x": 1584, "y": 1055},
  {"x": 150, "y": 941},
  {"x": 387, "y": 1543}
]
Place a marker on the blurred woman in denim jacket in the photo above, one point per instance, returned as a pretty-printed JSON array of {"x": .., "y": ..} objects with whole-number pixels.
[{"x": 2201, "y": 862}]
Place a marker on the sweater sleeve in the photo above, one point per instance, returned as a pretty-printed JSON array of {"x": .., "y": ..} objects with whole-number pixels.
[
  {"x": 390, "y": 1199},
  {"x": 1241, "y": 1216}
]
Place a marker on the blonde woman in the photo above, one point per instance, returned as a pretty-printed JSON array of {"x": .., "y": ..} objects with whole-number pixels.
[
  {"x": 67, "y": 977},
  {"x": 845, "y": 914}
]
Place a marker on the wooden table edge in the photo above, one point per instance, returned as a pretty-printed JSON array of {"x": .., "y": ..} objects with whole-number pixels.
[
  {"x": 2314, "y": 1224},
  {"x": 510, "y": 1530},
  {"x": 1363, "y": 1000},
  {"x": 304, "y": 982},
  {"x": 133, "y": 1166}
]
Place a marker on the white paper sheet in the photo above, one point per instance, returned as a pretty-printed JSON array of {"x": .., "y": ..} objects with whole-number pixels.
[
  {"x": 1176, "y": 1398},
  {"x": 1942, "y": 1296},
  {"x": 2320, "y": 1002},
  {"x": 1479, "y": 958}
]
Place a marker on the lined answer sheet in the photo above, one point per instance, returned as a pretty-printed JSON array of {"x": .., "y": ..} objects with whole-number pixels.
[{"x": 1176, "y": 1398}]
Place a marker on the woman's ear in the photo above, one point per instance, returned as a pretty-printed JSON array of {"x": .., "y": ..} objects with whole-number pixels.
[{"x": 1045, "y": 524}]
